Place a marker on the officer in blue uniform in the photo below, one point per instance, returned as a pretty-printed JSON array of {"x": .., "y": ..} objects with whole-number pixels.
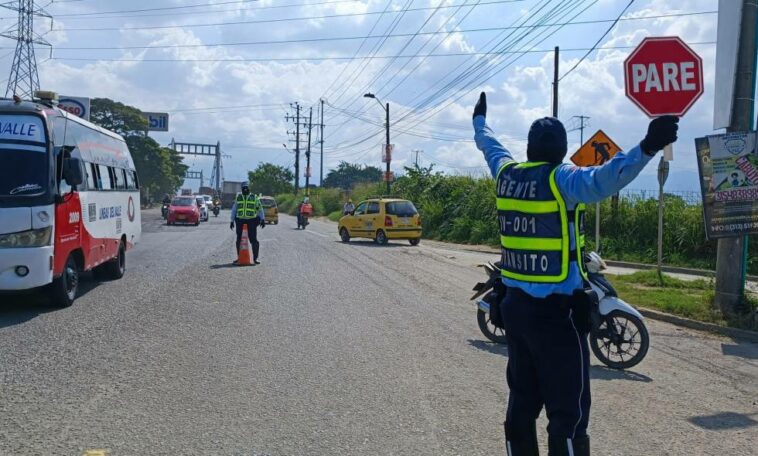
[{"x": 546, "y": 313}]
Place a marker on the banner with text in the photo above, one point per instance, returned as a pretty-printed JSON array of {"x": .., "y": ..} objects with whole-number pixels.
[{"x": 728, "y": 165}]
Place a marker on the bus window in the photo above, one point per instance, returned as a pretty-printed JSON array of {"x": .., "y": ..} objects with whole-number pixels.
[
  {"x": 88, "y": 171},
  {"x": 104, "y": 173},
  {"x": 130, "y": 180},
  {"x": 136, "y": 179},
  {"x": 119, "y": 182}
]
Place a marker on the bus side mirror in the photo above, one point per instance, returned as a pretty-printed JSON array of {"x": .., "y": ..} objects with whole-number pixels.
[{"x": 72, "y": 171}]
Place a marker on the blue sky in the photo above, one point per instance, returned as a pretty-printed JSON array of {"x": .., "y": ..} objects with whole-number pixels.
[{"x": 239, "y": 92}]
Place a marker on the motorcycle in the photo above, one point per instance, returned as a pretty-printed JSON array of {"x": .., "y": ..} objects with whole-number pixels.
[
  {"x": 618, "y": 338},
  {"x": 216, "y": 210},
  {"x": 164, "y": 210},
  {"x": 302, "y": 221}
]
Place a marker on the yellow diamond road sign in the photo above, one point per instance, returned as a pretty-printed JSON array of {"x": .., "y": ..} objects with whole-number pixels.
[{"x": 596, "y": 151}]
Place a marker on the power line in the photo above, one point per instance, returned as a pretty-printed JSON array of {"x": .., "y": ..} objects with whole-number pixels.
[
  {"x": 598, "y": 41},
  {"x": 265, "y": 21}
]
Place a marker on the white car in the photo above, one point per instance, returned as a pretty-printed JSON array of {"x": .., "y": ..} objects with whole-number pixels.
[{"x": 202, "y": 207}]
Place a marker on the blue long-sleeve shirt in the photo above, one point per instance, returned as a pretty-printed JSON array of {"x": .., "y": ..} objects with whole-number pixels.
[{"x": 576, "y": 185}]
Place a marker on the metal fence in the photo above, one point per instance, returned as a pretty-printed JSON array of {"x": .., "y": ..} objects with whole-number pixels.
[{"x": 690, "y": 197}]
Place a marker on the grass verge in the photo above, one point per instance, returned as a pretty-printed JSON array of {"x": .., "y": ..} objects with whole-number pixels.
[{"x": 690, "y": 299}]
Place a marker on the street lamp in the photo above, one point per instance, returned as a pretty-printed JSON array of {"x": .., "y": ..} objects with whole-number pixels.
[{"x": 387, "y": 124}]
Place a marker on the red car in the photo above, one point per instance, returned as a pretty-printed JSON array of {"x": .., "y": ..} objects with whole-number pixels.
[{"x": 183, "y": 209}]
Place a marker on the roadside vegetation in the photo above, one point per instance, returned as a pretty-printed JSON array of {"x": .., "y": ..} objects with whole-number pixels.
[{"x": 689, "y": 299}]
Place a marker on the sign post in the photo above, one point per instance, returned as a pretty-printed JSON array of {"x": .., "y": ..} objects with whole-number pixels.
[
  {"x": 596, "y": 151},
  {"x": 663, "y": 174}
]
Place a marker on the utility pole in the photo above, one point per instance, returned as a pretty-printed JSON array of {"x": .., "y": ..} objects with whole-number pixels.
[
  {"x": 24, "y": 80},
  {"x": 732, "y": 252},
  {"x": 417, "y": 152},
  {"x": 321, "y": 142},
  {"x": 296, "y": 118},
  {"x": 308, "y": 154},
  {"x": 555, "y": 83},
  {"x": 389, "y": 153}
]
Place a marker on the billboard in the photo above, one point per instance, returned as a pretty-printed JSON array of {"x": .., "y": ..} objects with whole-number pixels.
[
  {"x": 78, "y": 106},
  {"x": 728, "y": 165},
  {"x": 156, "y": 121}
]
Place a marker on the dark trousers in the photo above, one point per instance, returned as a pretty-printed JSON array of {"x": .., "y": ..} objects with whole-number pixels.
[
  {"x": 548, "y": 365},
  {"x": 252, "y": 233}
]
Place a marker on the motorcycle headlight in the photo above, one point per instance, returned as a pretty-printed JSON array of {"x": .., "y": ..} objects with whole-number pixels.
[{"x": 30, "y": 238}]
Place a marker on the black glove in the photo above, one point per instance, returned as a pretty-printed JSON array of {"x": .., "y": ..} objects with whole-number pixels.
[
  {"x": 231, "y": 226},
  {"x": 263, "y": 223},
  {"x": 660, "y": 133},
  {"x": 481, "y": 106}
]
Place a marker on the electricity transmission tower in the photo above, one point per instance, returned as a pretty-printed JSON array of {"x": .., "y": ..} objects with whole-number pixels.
[{"x": 23, "y": 80}]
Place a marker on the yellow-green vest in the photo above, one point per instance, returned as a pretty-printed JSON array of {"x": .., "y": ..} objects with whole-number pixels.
[
  {"x": 248, "y": 207},
  {"x": 534, "y": 224}
]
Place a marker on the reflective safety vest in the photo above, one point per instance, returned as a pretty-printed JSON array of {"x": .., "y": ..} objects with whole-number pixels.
[
  {"x": 248, "y": 207},
  {"x": 534, "y": 224}
]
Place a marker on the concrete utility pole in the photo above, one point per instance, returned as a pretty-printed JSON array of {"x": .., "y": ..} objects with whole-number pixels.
[
  {"x": 308, "y": 155},
  {"x": 296, "y": 118},
  {"x": 731, "y": 252},
  {"x": 555, "y": 83},
  {"x": 389, "y": 153},
  {"x": 417, "y": 151},
  {"x": 321, "y": 142}
]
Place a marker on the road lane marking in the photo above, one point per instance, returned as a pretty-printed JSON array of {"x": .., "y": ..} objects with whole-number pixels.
[{"x": 95, "y": 453}]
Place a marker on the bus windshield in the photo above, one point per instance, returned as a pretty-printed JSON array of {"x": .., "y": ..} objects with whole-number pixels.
[{"x": 24, "y": 161}]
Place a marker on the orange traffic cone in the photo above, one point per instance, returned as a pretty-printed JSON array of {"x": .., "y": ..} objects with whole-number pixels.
[{"x": 243, "y": 258}]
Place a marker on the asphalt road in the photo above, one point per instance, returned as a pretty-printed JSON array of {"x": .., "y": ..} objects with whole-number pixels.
[{"x": 324, "y": 349}]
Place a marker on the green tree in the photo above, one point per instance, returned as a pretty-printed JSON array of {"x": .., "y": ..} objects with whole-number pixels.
[
  {"x": 160, "y": 169},
  {"x": 271, "y": 179},
  {"x": 347, "y": 175}
]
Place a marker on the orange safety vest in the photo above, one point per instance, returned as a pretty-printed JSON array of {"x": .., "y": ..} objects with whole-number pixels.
[{"x": 306, "y": 209}]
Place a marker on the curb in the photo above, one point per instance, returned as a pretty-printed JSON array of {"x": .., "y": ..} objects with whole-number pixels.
[
  {"x": 674, "y": 269},
  {"x": 744, "y": 334}
]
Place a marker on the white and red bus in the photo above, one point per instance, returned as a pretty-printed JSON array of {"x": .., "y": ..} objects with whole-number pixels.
[{"x": 69, "y": 200}]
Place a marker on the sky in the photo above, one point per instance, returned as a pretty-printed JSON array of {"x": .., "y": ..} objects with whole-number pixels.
[{"x": 230, "y": 72}]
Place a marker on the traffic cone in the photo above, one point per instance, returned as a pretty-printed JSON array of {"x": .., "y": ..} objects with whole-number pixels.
[{"x": 243, "y": 258}]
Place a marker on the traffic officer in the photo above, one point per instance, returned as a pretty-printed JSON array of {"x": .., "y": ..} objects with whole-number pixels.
[
  {"x": 248, "y": 210},
  {"x": 546, "y": 311}
]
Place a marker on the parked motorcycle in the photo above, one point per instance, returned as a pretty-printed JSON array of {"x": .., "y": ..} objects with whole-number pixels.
[
  {"x": 164, "y": 210},
  {"x": 618, "y": 338}
]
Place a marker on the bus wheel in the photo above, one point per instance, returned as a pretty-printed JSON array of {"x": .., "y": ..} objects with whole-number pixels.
[
  {"x": 115, "y": 268},
  {"x": 63, "y": 290}
]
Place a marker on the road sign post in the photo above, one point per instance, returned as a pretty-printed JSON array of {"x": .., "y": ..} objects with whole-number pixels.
[
  {"x": 663, "y": 174},
  {"x": 596, "y": 151}
]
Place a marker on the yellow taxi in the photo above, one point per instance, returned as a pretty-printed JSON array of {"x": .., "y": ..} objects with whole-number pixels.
[
  {"x": 270, "y": 209},
  {"x": 382, "y": 219}
]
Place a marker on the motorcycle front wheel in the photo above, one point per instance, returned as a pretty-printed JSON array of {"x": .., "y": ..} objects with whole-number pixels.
[
  {"x": 489, "y": 330},
  {"x": 621, "y": 341}
]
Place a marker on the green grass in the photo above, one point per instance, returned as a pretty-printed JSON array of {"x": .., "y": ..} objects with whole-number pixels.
[{"x": 690, "y": 299}]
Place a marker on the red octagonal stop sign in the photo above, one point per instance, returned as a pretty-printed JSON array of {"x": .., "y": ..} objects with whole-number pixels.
[{"x": 663, "y": 76}]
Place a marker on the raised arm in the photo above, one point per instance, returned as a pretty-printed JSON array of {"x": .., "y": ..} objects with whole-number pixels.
[
  {"x": 589, "y": 185},
  {"x": 495, "y": 153}
]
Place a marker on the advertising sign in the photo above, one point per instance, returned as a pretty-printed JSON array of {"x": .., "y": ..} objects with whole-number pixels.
[
  {"x": 596, "y": 151},
  {"x": 78, "y": 106},
  {"x": 156, "y": 121},
  {"x": 728, "y": 165}
]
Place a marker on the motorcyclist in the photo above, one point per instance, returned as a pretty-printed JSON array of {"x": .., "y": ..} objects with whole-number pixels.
[
  {"x": 166, "y": 199},
  {"x": 248, "y": 210},
  {"x": 546, "y": 312},
  {"x": 349, "y": 208},
  {"x": 304, "y": 210}
]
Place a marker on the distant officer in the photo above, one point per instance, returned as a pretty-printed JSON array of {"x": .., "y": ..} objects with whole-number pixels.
[
  {"x": 248, "y": 210},
  {"x": 546, "y": 312},
  {"x": 348, "y": 208}
]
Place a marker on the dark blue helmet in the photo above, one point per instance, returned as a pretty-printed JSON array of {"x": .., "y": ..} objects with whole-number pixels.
[{"x": 547, "y": 141}]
